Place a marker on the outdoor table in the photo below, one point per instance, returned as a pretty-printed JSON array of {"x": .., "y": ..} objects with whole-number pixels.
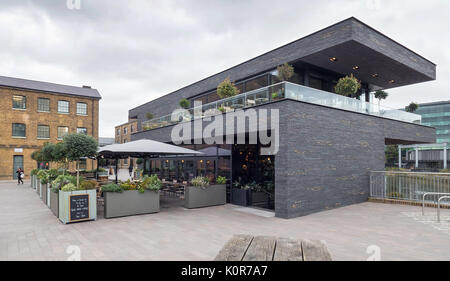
[{"x": 268, "y": 248}]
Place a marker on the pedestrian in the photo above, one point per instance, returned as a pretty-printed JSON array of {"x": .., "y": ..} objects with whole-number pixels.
[
  {"x": 20, "y": 175},
  {"x": 130, "y": 170}
]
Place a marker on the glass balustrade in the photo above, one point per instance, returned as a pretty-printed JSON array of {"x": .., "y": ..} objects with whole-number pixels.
[{"x": 283, "y": 90}]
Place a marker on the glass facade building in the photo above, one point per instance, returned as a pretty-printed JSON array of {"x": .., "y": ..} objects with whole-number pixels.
[{"x": 437, "y": 115}]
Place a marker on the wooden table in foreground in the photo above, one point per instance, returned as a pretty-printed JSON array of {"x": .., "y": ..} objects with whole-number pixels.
[{"x": 268, "y": 248}]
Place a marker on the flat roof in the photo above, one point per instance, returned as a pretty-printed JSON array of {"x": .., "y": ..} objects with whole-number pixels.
[
  {"x": 434, "y": 103},
  {"x": 382, "y": 61},
  {"x": 51, "y": 88}
]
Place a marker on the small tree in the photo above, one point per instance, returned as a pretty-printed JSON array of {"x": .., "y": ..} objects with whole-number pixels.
[
  {"x": 184, "y": 103},
  {"x": 149, "y": 115},
  {"x": 285, "y": 72},
  {"x": 347, "y": 86},
  {"x": 47, "y": 152},
  {"x": 227, "y": 89},
  {"x": 78, "y": 146},
  {"x": 37, "y": 155},
  {"x": 412, "y": 107},
  {"x": 60, "y": 155},
  {"x": 381, "y": 95}
]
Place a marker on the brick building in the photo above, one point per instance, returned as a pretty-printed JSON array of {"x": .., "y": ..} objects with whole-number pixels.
[
  {"x": 122, "y": 135},
  {"x": 35, "y": 113}
]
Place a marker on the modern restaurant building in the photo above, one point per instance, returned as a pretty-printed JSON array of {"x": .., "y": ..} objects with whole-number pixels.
[{"x": 327, "y": 144}]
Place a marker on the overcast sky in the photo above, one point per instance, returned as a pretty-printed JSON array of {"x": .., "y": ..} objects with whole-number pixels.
[{"x": 135, "y": 51}]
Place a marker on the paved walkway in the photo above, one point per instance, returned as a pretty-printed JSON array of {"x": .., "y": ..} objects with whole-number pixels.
[{"x": 29, "y": 231}]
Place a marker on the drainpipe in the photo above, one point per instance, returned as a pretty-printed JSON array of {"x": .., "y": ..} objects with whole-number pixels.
[
  {"x": 399, "y": 156},
  {"x": 445, "y": 155},
  {"x": 417, "y": 157}
]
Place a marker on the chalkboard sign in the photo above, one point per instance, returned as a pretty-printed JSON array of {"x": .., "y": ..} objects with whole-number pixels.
[{"x": 79, "y": 207}]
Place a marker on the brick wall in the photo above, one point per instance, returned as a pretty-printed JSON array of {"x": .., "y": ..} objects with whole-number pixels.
[{"x": 32, "y": 118}]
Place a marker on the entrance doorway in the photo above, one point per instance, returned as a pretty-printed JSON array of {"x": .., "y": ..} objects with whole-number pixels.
[{"x": 17, "y": 163}]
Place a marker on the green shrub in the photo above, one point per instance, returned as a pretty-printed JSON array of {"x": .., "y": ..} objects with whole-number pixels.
[
  {"x": 184, "y": 103},
  {"x": 55, "y": 189},
  {"x": 445, "y": 171},
  {"x": 139, "y": 161},
  {"x": 43, "y": 176},
  {"x": 102, "y": 170},
  {"x": 221, "y": 180},
  {"x": 62, "y": 180},
  {"x": 149, "y": 115},
  {"x": 285, "y": 72},
  {"x": 34, "y": 172},
  {"x": 52, "y": 175},
  {"x": 227, "y": 89},
  {"x": 152, "y": 183},
  {"x": 347, "y": 86},
  {"x": 112, "y": 187},
  {"x": 69, "y": 187},
  {"x": 90, "y": 184},
  {"x": 200, "y": 182}
]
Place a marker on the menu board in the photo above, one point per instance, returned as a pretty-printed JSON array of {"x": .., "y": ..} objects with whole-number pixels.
[{"x": 79, "y": 207}]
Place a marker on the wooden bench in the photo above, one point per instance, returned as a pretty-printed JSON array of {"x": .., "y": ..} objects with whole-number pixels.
[{"x": 267, "y": 248}]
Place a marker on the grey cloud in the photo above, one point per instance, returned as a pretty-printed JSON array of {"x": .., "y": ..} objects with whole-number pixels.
[{"x": 134, "y": 51}]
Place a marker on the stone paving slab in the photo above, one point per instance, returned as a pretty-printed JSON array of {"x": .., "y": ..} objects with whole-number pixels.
[{"x": 29, "y": 231}]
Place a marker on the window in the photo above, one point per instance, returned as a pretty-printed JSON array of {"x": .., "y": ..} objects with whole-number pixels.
[
  {"x": 125, "y": 130},
  {"x": 19, "y": 102},
  {"x": 82, "y": 131},
  {"x": 83, "y": 164},
  {"x": 118, "y": 131},
  {"x": 132, "y": 128},
  {"x": 43, "y": 132},
  {"x": 62, "y": 131},
  {"x": 43, "y": 105},
  {"x": 18, "y": 130},
  {"x": 63, "y": 106},
  {"x": 81, "y": 108}
]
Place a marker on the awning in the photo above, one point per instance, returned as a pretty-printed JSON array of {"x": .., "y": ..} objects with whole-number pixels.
[{"x": 141, "y": 149}]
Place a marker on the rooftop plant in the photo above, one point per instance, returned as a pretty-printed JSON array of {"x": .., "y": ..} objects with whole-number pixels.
[
  {"x": 285, "y": 72},
  {"x": 412, "y": 107},
  {"x": 149, "y": 115},
  {"x": 348, "y": 86},
  {"x": 227, "y": 89},
  {"x": 184, "y": 103},
  {"x": 381, "y": 95}
]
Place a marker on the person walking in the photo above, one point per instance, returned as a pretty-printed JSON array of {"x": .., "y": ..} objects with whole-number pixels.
[
  {"x": 20, "y": 175},
  {"x": 130, "y": 169}
]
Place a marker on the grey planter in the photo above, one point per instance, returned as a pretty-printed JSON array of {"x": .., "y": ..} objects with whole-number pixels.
[
  {"x": 54, "y": 203},
  {"x": 130, "y": 202},
  {"x": 240, "y": 197},
  {"x": 213, "y": 195},
  {"x": 44, "y": 193},
  {"x": 32, "y": 181}
]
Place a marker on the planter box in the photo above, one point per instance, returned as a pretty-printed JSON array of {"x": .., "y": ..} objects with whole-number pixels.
[
  {"x": 38, "y": 190},
  {"x": 130, "y": 202},
  {"x": 44, "y": 193},
  {"x": 240, "y": 197},
  {"x": 32, "y": 181},
  {"x": 64, "y": 206},
  {"x": 36, "y": 182},
  {"x": 54, "y": 203},
  {"x": 196, "y": 197},
  {"x": 259, "y": 199}
]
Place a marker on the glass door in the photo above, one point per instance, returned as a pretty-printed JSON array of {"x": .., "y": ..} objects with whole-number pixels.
[{"x": 17, "y": 163}]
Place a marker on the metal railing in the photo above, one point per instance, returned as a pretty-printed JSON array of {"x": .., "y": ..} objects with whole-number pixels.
[
  {"x": 283, "y": 90},
  {"x": 439, "y": 207},
  {"x": 409, "y": 186}
]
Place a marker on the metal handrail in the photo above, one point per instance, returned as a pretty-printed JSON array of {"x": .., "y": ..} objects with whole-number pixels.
[
  {"x": 439, "y": 207},
  {"x": 430, "y": 193}
]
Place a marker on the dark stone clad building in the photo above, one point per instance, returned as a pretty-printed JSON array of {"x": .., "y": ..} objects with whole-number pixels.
[{"x": 327, "y": 144}]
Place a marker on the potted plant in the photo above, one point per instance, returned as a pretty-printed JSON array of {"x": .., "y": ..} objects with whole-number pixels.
[
  {"x": 227, "y": 89},
  {"x": 102, "y": 174},
  {"x": 42, "y": 182},
  {"x": 348, "y": 86},
  {"x": 56, "y": 185},
  {"x": 184, "y": 103},
  {"x": 285, "y": 72},
  {"x": 240, "y": 194},
  {"x": 77, "y": 203},
  {"x": 33, "y": 178},
  {"x": 201, "y": 194},
  {"x": 131, "y": 198}
]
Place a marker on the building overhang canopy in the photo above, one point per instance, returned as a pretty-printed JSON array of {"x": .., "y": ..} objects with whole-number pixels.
[{"x": 143, "y": 148}]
